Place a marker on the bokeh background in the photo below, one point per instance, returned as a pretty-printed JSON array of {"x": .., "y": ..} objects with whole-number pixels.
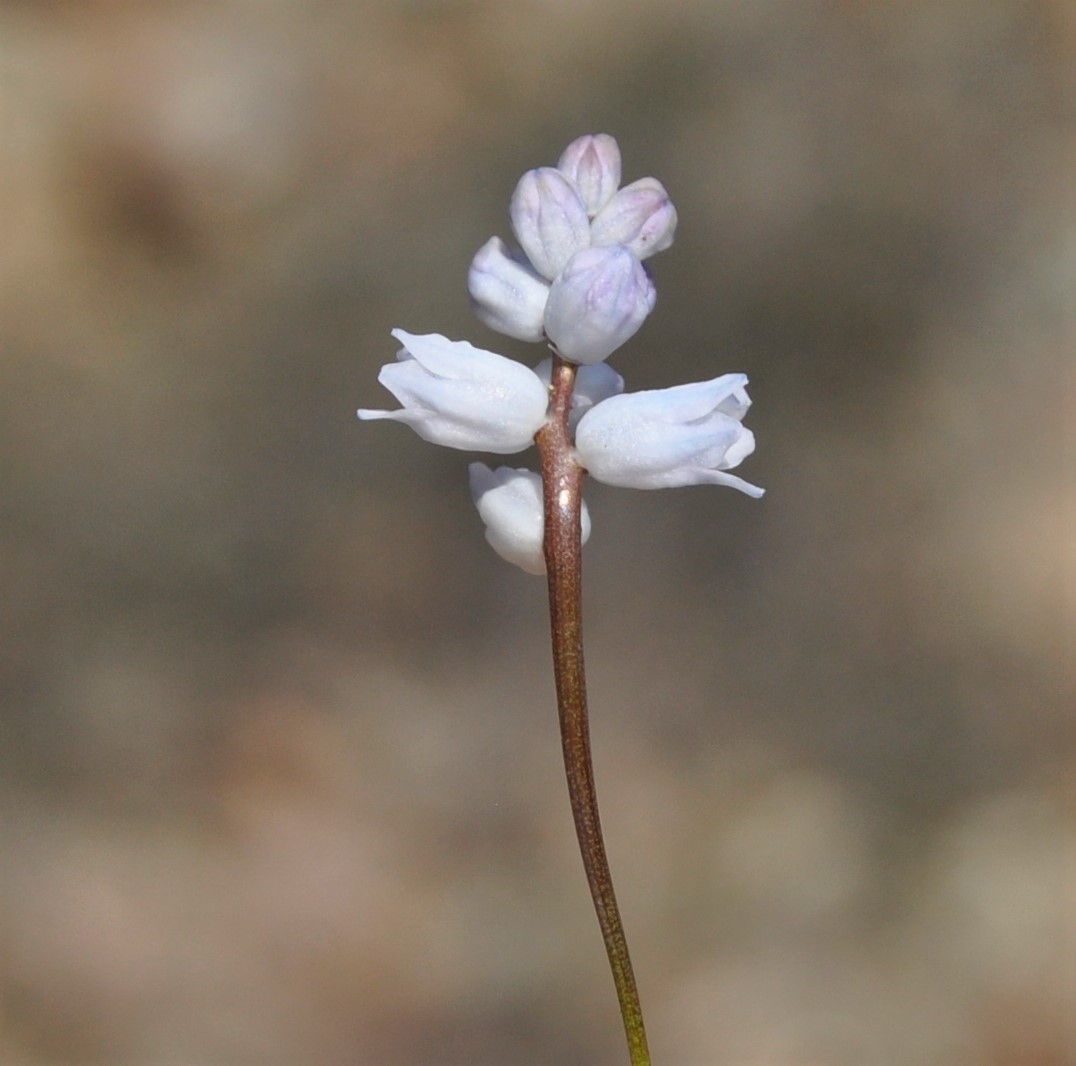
[{"x": 280, "y": 781}]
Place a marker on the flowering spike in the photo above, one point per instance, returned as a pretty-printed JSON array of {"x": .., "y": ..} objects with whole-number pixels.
[
  {"x": 510, "y": 503},
  {"x": 592, "y": 165},
  {"x": 461, "y": 396},
  {"x": 665, "y": 438},
  {"x": 598, "y": 302},
  {"x": 578, "y": 282},
  {"x": 549, "y": 220},
  {"x": 507, "y": 295}
]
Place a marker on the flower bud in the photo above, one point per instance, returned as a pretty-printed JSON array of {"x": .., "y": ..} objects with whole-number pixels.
[
  {"x": 592, "y": 165},
  {"x": 510, "y": 503},
  {"x": 507, "y": 295},
  {"x": 549, "y": 220},
  {"x": 665, "y": 438},
  {"x": 600, "y": 300},
  {"x": 461, "y": 396},
  {"x": 640, "y": 215},
  {"x": 592, "y": 385}
]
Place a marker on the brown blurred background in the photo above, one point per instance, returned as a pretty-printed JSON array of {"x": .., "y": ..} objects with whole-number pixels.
[{"x": 279, "y": 770}]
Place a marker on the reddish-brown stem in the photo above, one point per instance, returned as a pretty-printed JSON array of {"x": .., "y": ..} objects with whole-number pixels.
[{"x": 562, "y": 479}]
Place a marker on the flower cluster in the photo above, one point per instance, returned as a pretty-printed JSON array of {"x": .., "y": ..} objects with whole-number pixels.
[{"x": 576, "y": 282}]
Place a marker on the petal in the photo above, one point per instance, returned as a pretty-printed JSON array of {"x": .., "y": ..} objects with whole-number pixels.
[
  {"x": 510, "y": 503},
  {"x": 592, "y": 165},
  {"x": 640, "y": 215},
  {"x": 686, "y": 403},
  {"x": 549, "y": 220},
  {"x": 507, "y": 295}
]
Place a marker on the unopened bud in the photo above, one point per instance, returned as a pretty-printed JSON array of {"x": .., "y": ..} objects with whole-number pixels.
[
  {"x": 549, "y": 220},
  {"x": 507, "y": 295},
  {"x": 592, "y": 165},
  {"x": 510, "y": 503},
  {"x": 598, "y": 302},
  {"x": 640, "y": 216}
]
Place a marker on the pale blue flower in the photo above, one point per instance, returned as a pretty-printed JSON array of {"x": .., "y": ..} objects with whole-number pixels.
[
  {"x": 461, "y": 396},
  {"x": 510, "y": 503},
  {"x": 666, "y": 438}
]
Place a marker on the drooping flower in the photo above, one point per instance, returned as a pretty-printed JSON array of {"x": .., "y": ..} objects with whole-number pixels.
[
  {"x": 461, "y": 396},
  {"x": 600, "y": 299},
  {"x": 510, "y": 503},
  {"x": 665, "y": 438}
]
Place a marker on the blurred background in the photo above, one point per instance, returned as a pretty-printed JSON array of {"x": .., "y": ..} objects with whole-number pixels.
[{"x": 280, "y": 778}]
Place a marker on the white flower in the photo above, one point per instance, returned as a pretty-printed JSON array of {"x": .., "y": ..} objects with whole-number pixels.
[
  {"x": 461, "y": 396},
  {"x": 640, "y": 215},
  {"x": 507, "y": 295},
  {"x": 549, "y": 220},
  {"x": 592, "y": 165},
  {"x": 665, "y": 438},
  {"x": 510, "y": 503},
  {"x": 600, "y": 300}
]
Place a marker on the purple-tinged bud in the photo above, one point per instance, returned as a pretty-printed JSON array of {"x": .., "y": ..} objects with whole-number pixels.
[
  {"x": 549, "y": 220},
  {"x": 510, "y": 503},
  {"x": 640, "y": 216},
  {"x": 507, "y": 295},
  {"x": 592, "y": 165},
  {"x": 600, "y": 300}
]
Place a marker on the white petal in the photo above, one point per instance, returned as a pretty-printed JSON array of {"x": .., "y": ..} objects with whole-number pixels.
[
  {"x": 507, "y": 295},
  {"x": 510, "y": 503}
]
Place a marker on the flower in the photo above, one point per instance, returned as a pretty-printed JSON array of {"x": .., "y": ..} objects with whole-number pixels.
[
  {"x": 577, "y": 281},
  {"x": 665, "y": 438},
  {"x": 598, "y": 302},
  {"x": 461, "y": 396},
  {"x": 507, "y": 295},
  {"x": 510, "y": 503},
  {"x": 592, "y": 165},
  {"x": 640, "y": 215},
  {"x": 549, "y": 219}
]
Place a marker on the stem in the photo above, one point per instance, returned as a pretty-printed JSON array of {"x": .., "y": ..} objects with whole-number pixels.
[{"x": 562, "y": 479}]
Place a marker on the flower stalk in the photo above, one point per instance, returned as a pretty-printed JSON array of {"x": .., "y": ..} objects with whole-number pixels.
[
  {"x": 562, "y": 480},
  {"x": 577, "y": 281}
]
